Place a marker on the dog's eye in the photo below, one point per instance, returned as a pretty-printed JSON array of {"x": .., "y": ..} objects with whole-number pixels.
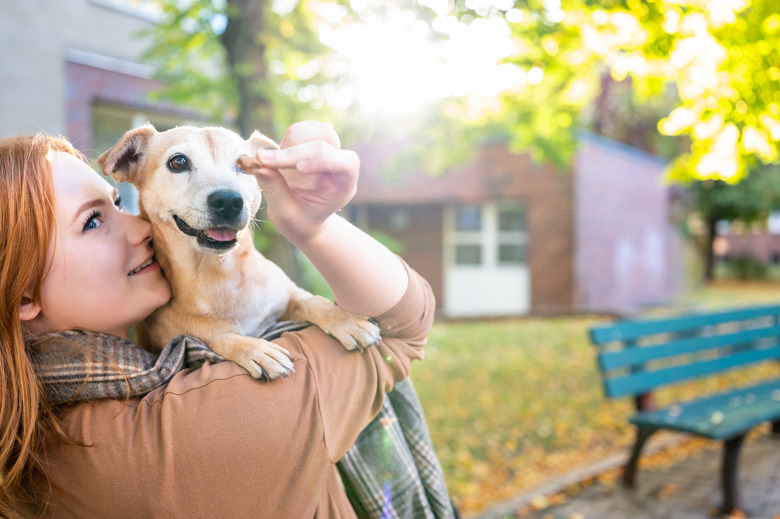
[{"x": 179, "y": 163}]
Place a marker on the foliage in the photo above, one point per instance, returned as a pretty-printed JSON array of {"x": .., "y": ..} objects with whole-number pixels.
[
  {"x": 190, "y": 49},
  {"x": 717, "y": 61},
  {"x": 190, "y": 59},
  {"x": 749, "y": 201},
  {"x": 511, "y": 404},
  {"x": 747, "y": 267}
]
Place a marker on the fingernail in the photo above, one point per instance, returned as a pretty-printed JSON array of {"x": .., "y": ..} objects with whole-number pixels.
[{"x": 267, "y": 154}]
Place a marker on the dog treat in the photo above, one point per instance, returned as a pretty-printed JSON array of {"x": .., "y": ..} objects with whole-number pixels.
[{"x": 246, "y": 162}]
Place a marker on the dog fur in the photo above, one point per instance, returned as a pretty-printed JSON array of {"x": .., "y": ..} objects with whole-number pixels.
[{"x": 201, "y": 204}]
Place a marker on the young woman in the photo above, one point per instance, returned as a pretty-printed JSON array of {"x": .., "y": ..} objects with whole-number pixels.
[{"x": 207, "y": 442}]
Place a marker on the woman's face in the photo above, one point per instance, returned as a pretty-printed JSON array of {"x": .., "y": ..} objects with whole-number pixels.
[{"x": 102, "y": 275}]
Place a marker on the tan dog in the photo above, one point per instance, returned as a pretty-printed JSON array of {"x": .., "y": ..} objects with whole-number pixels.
[{"x": 201, "y": 205}]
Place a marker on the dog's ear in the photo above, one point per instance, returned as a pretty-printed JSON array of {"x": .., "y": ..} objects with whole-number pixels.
[
  {"x": 121, "y": 161},
  {"x": 260, "y": 141}
]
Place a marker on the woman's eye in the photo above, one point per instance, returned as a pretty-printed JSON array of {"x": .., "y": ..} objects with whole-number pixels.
[
  {"x": 179, "y": 163},
  {"x": 93, "y": 222}
]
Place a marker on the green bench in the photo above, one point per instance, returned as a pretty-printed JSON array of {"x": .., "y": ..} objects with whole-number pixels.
[{"x": 638, "y": 356}]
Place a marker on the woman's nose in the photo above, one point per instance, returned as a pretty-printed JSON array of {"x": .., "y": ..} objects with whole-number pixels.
[{"x": 140, "y": 230}]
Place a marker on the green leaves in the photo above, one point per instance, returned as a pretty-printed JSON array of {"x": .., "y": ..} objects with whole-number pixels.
[{"x": 720, "y": 58}]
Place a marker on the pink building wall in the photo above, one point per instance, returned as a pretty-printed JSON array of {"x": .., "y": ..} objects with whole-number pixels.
[{"x": 626, "y": 249}]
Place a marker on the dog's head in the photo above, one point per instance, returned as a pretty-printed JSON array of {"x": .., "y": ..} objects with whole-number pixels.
[{"x": 188, "y": 180}]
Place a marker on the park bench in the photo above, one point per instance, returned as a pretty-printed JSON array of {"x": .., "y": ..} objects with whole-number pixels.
[{"x": 639, "y": 356}]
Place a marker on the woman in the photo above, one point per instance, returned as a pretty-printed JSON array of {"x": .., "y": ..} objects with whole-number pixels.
[{"x": 209, "y": 442}]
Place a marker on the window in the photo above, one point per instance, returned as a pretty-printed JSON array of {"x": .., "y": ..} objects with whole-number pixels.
[
  {"x": 511, "y": 236},
  {"x": 468, "y": 255},
  {"x": 489, "y": 236},
  {"x": 468, "y": 218},
  {"x": 468, "y": 229}
]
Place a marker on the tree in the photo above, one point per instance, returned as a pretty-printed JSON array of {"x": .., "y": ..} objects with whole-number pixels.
[
  {"x": 715, "y": 62},
  {"x": 749, "y": 201}
]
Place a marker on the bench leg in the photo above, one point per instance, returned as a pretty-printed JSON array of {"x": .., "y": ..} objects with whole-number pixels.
[
  {"x": 729, "y": 473},
  {"x": 629, "y": 472}
]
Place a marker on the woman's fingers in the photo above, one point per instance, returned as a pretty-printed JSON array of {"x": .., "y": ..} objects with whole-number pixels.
[
  {"x": 304, "y": 162},
  {"x": 304, "y": 131}
]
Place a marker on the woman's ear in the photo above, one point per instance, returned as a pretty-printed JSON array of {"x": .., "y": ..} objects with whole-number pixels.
[{"x": 28, "y": 310}]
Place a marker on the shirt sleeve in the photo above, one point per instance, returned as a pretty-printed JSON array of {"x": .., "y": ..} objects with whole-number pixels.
[{"x": 350, "y": 396}]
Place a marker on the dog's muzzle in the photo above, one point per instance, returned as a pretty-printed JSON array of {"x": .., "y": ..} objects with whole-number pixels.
[{"x": 218, "y": 238}]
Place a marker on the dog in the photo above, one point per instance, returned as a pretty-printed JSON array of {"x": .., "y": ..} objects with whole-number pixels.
[{"x": 224, "y": 292}]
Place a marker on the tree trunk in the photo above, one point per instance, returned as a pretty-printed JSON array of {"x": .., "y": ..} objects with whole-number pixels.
[
  {"x": 709, "y": 254},
  {"x": 246, "y": 56}
]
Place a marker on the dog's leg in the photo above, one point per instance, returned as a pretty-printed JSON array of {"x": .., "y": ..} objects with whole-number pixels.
[
  {"x": 352, "y": 331},
  {"x": 261, "y": 358}
]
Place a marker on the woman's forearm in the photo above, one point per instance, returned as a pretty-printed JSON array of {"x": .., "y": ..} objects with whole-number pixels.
[{"x": 366, "y": 277}]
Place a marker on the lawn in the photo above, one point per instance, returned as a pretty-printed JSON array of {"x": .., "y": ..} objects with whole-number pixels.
[{"x": 513, "y": 403}]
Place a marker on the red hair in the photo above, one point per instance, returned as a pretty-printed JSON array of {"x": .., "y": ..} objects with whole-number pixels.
[{"x": 27, "y": 224}]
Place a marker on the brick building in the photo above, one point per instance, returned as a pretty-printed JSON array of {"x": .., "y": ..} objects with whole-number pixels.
[{"x": 503, "y": 235}]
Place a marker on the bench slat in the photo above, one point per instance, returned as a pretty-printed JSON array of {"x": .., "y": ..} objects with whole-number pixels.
[
  {"x": 630, "y": 330},
  {"x": 643, "y": 381},
  {"x": 635, "y": 356},
  {"x": 720, "y": 416}
]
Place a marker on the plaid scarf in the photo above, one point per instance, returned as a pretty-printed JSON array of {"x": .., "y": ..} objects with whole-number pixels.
[{"x": 390, "y": 472}]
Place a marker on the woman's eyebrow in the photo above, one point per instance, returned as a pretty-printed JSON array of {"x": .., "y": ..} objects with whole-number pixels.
[{"x": 97, "y": 202}]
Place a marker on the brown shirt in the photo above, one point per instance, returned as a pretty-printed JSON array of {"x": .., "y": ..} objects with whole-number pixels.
[{"x": 215, "y": 443}]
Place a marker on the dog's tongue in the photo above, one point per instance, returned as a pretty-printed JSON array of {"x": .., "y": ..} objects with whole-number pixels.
[{"x": 221, "y": 234}]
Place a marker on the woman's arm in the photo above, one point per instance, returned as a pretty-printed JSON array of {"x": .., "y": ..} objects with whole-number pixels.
[{"x": 305, "y": 183}]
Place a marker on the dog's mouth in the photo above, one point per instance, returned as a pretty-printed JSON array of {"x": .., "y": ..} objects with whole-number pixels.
[{"x": 220, "y": 238}]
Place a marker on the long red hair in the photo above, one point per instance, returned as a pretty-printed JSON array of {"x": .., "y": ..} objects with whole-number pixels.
[{"x": 27, "y": 224}]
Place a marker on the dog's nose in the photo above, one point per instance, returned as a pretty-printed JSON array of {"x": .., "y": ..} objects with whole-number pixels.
[{"x": 226, "y": 203}]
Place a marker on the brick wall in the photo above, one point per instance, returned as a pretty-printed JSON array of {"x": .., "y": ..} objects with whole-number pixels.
[
  {"x": 87, "y": 85},
  {"x": 493, "y": 175},
  {"x": 761, "y": 245},
  {"x": 420, "y": 229},
  {"x": 625, "y": 244}
]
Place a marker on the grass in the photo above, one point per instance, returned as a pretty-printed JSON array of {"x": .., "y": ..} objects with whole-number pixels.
[{"x": 513, "y": 403}]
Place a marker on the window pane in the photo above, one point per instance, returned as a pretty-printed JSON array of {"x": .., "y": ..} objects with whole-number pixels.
[
  {"x": 511, "y": 254},
  {"x": 468, "y": 218},
  {"x": 468, "y": 255},
  {"x": 511, "y": 220}
]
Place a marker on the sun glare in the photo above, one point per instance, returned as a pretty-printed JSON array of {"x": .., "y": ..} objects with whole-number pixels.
[{"x": 398, "y": 64}]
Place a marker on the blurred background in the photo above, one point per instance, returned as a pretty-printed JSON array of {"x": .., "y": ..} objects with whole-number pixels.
[{"x": 543, "y": 163}]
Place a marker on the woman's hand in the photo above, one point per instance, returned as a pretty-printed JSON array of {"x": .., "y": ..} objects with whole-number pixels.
[
  {"x": 304, "y": 184},
  {"x": 307, "y": 180}
]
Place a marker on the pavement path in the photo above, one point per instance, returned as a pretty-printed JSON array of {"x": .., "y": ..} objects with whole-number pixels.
[{"x": 688, "y": 489}]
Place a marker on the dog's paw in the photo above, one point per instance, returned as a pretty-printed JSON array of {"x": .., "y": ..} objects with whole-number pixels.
[
  {"x": 263, "y": 359},
  {"x": 352, "y": 331},
  {"x": 355, "y": 333}
]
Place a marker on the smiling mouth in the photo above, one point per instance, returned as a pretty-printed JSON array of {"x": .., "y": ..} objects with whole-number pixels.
[
  {"x": 220, "y": 238},
  {"x": 141, "y": 267}
]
